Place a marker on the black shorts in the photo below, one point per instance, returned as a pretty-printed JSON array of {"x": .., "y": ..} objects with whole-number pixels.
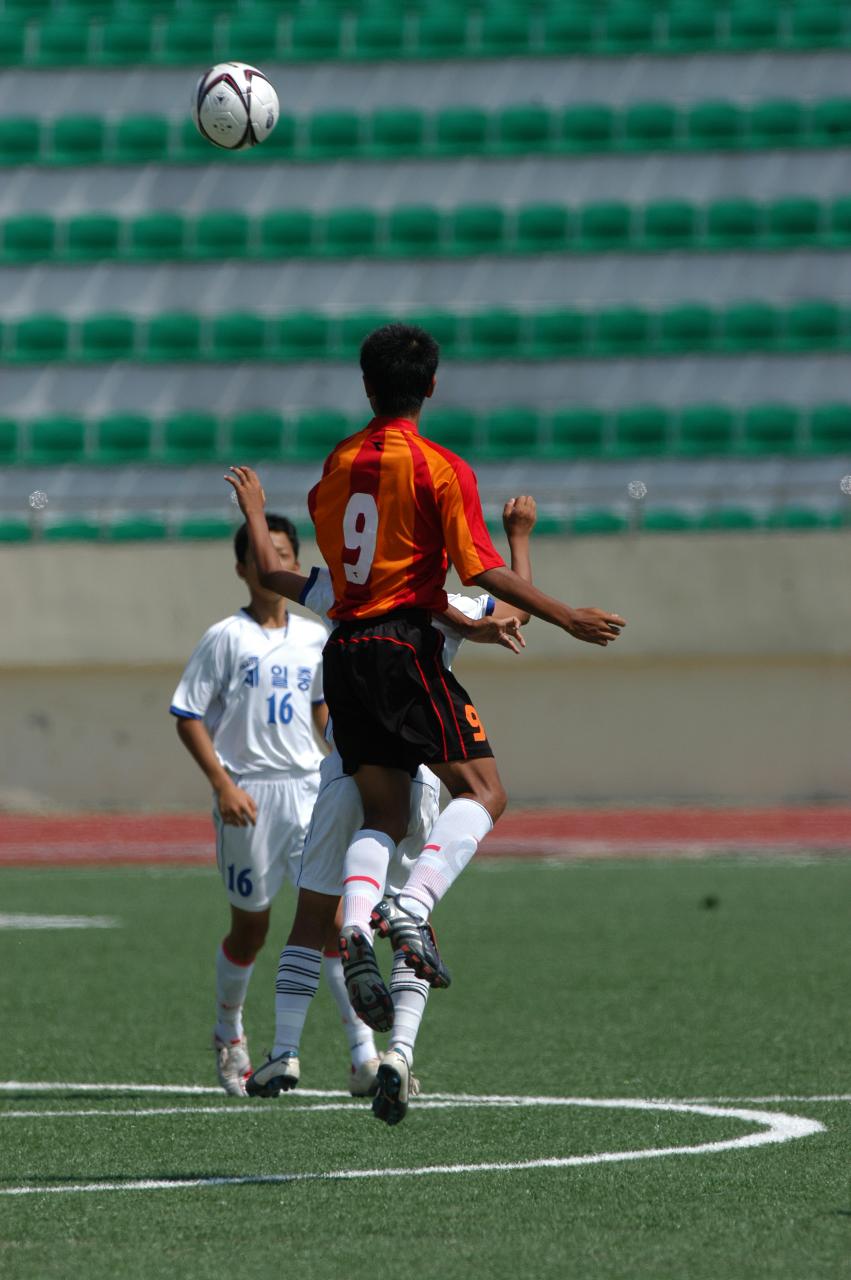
[{"x": 392, "y": 701}]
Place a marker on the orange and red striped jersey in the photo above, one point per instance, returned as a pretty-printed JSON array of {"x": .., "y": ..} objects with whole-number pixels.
[{"x": 389, "y": 507}]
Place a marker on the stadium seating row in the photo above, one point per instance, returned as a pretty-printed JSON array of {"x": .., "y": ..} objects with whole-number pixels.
[
  {"x": 423, "y": 230},
  {"x": 591, "y": 522},
  {"x": 75, "y": 139},
  {"x": 638, "y": 431},
  {"x": 191, "y": 36},
  {"x": 484, "y": 335}
]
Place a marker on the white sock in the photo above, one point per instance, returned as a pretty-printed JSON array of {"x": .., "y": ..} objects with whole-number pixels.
[
  {"x": 232, "y": 981},
  {"x": 453, "y": 840},
  {"x": 409, "y": 1001},
  {"x": 359, "y": 1035},
  {"x": 364, "y": 873},
  {"x": 295, "y": 987}
]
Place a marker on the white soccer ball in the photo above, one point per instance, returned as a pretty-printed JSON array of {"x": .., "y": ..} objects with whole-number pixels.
[{"x": 234, "y": 106}]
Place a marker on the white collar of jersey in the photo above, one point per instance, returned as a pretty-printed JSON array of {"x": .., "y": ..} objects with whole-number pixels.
[{"x": 267, "y": 631}]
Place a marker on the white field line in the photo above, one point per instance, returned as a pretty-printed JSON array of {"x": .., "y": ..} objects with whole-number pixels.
[
  {"x": 776, "y": 1127},
  {"x": 18, "y": 920}
]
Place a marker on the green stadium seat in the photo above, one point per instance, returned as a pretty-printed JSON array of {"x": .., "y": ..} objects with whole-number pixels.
[
  {"x": 541, "y": 228},
  {"x": 352, "y": 329},
  {"x": 62, "y": 41},
  {"x": 397, "y": 132},
  {"x": 776, "y": 124},
  {"x": 816, "y": 26},
  {"x": 238, "y": 335},
  {"x": 9, "y": 443},
  {"x": 349, "y": 233},
  {"x": 220, "y": 234},
  {"x": 477, "y": 228},
  {"x": 157, "y": 236},
  {"x": 303, "y": 336},
  {"x": 136, "y": 529},
  {"x": 57, "y": 439},
  {"x": 252, "y": 37},
  {"x": 598, "y": 523},
  {"x": 192, "y": 147},
  {"x": 524, "y": 129},
  {"x": 796, "y": 518},
  {"x": 770, "y": 429},
  {"x": 107, "y": 337},
  {"x": 792, "y": 221},
  {"x": 577, "y": 433},
  {"x": 287, "y": 233},
  {"x": 454, "y": 428},
  {"x": 494, "y": 334},
  {"x": 839, "y": 229},
  {"x": 123, "y": 437},
  {"x": 77, "y": 139},
  {"x": 334, "y": 133},
  {"x": 690, "y": 326},
  {"x": 20, "y": 138},
  {"x": 187, "y": 41},
  {"x": 314, "y": 37},
  {"x": 750, "y": 326},
  {"x": 705, "y": 430},
  {"x": 137, "y": 139},
  {"x": 733, "y": 223},
  {"x": 173, "y": 335},
  {"x": 12, "y": 530},
  {"x": 669, "y": 224},
  {"x": 666, "y": 520},
  {"x": 560, "y": 334},
  {"x": 691, "y": 26},
  {"x": 441, "y": 34},
  {"x": 642, "y": 431},
  {"x": 605, "y": 224},
  {"x": 812, "y": 326},
  {"x": 205, "y": 528},
  {"x": 512, "y": 433},
  {"x": 649, "y": 126},
  {"x": 727, "y": 519},
  {"x": 628, "y": 29},
  {"x": 413, "y": 230},
  {"x": 70, "y": 529},
  {"x": 569, "y": 29},
  {"x": 92, "y": 236},
  {"x": 830, "y": 428},
  {"x": 12, "y": 35},
  {"x": 504, "y": 33},
  {"x": 256, "y": 433},
  {"x": 587, "y": 128},
  {"x": 379, "y": 35},
  {"x": 319, "y": 431},
  {"x": 191, "y": 437},
  {"x": 623, "y": 330},
  {"x": 29, "y": 237},
  {"x": 754, "y": 26},
  {"x": 40, "y": 337},
  {"x": 715, "y": 126},
  {"x": 125, "y": 42},
  {"x": 444, "y": 327},
  {"x": 830, "y": 123},
  {"x": 461, "y": 130}
]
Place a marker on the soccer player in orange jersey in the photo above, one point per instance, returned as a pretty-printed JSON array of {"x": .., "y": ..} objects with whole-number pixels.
[{"x": 390, "y": 509}]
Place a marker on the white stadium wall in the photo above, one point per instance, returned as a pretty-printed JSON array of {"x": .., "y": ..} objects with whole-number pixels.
[{"x": 732, "y": 683}]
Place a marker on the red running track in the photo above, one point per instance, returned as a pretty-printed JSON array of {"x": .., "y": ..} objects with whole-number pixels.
[{"x": 184, "y": 838}]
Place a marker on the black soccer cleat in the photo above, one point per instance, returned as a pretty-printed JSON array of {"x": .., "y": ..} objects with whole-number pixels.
[
  {"x": 415, "y": 940},
  {"x": 277, "y": 1075},
  {"x": 370, "y": 998}
]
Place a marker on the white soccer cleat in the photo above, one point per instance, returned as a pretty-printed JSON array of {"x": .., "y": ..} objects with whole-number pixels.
[
  {"x": 363, "y": 1080},
  {"x": 233, "y": 1065},
  {"x": 395, "y": 1086},
  {"x": 277, "y": 1075}
]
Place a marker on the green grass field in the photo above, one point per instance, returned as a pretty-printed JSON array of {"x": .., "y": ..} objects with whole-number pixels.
[{"x": 606, "y": 981}]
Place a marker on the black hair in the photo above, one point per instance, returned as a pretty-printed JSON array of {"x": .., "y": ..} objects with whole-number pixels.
[
  {"x": 277, "y": 524},
  {"x": 399, "y": 361}
]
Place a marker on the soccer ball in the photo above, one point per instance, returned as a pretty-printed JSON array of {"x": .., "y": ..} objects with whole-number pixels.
[{"x": 234, "y": 106}]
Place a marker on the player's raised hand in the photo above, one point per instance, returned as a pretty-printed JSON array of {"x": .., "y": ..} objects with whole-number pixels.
[
  {"x": 237, "y": 808},
  {"x": 519, "y": 515},
  {"x": 595, "y": 626},
  {"x": 248, "y": 489},
  {"x": 504, "y": 631}
]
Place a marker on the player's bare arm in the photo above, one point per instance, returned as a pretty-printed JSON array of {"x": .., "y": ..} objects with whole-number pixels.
[
  {"x": 518, "y": 520},
  {"x": 594, "y": 626},
  {"x": 504, "y": 631},
  {"x": 252, "y": 504},
  {"x": 235, "y": 805},
  {"x": 319, "y": 715}
]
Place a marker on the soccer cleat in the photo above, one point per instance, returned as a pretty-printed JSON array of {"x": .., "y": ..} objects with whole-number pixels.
[
  {"x": 277, "y": 1075},
  {"x": 395, "y": 1086},
  {"x": 416, "y": 941},
  {"x": 233, "y": 1065},
  {"x": 370, "y": 998},
  {"x": 363, "y": 1080}
]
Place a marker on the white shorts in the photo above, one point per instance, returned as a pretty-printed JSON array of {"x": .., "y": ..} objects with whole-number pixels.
[
  {"x": 338, "y": 814},
  {"x": 253, "y": 861}
]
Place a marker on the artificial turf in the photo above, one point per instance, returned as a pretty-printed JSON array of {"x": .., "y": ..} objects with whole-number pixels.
[{"x": 687, "y": 980}]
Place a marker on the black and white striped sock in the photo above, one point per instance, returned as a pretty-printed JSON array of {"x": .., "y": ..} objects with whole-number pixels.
[
  {"x": 295, "y": 987},
  {"x": 409, "y": 1001}
]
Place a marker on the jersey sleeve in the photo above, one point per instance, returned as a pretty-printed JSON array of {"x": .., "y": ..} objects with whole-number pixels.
[
  {"x": 318, "y": 595},
  {"x": 464, "y": 530},
  {"x": 204, "y": 677},
  {"x": 473, "y": 607}
]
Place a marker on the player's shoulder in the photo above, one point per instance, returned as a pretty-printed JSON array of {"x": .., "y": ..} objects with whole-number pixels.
[
  {"x": 443, "y": 458},
  {"x": 307, "y": 630},
  {"x": 229, "y": 626}
]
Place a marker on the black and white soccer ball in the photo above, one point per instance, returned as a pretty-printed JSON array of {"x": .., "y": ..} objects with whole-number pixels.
[{"x": 235, "y": 106}]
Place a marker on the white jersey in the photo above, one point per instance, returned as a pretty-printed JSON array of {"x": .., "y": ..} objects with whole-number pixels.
[{"x": 254, "y": 687}]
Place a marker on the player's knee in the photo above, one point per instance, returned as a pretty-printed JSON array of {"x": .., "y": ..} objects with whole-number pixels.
[
  {"x": 247, "y": 937},
  {"x": 392, "y": 819}
]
